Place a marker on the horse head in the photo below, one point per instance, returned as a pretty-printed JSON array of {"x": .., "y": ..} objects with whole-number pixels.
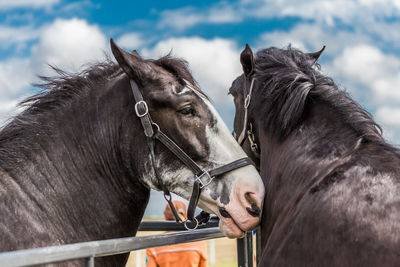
[
  {"x": 254, "y": 83},
  {"x": 183, "y": 112}
]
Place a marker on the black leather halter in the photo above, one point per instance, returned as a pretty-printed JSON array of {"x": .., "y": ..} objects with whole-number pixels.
[
  {"x": 203, "y": 177},
  {"x": 247, "y": 130}
]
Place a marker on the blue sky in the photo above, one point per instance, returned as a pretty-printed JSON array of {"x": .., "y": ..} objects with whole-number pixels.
[{"x": 362, "y": 39}]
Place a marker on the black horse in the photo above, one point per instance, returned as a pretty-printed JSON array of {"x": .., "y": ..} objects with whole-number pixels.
[
  {"x": 75, "y": 165},
  {"x": 332, "y": 183}
]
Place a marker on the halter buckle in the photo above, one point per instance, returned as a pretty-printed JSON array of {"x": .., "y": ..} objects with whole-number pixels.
[
  {"x": 146, "y": 109},
  {"x": 204, "y": 184}
]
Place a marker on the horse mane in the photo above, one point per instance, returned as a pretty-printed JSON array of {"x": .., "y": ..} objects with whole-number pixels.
[
  {"x": 65, "y": 88},
  {"x": 290, "y": 81}
]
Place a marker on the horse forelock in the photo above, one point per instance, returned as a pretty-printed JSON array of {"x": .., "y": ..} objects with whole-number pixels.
[
  {"x": 179, "y": 68},
  {"x": 288, "y": 81}
]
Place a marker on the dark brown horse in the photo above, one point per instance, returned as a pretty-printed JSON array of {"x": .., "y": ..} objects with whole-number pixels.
[
  {"x": 75, "y": 165},
  {"x": 332, "y": 183}
]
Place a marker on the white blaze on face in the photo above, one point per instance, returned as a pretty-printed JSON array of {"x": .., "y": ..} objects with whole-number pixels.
[
  {"x": 223, "y": 147},
  {"x": 241, "y": 182}
]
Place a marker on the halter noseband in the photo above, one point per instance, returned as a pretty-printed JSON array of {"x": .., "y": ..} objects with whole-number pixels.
[
  {"x": 203, "y": 177},
  {"x": 248, "y": 126}
]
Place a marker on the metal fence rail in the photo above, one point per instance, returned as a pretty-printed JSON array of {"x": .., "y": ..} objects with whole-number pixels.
[
  {"x": 173, "y": 226},
  {"x": 89, "y": 250},
  {"x": 93, "y": 249}
]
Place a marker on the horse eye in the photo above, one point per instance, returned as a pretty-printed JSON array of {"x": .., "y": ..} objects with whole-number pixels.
[{"x": 187, "y": 111}]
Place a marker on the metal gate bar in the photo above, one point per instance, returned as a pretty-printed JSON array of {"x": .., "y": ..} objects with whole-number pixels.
[
  {"x": 258, "y": 245},
  {"x": 173, "y": 226},
  {"x": 102, "y": 248},
  {"x": 245, "y": 250},
  {"x": 90, "y": 262}
]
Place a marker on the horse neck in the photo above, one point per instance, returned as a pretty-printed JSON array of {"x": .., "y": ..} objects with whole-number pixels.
[
  {"x": 72, "y": 158},
  {"x": 289, "y": 167}
]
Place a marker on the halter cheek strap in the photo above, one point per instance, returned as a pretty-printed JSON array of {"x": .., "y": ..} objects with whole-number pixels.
[
  {"x": 247, "y": 130},
  {"x": 247, "y": 101},
  {"x": 203, "y": 177}
]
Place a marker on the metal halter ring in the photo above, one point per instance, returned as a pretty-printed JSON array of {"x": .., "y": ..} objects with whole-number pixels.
[
  {"x": 247, "y": 101},
  {"x": 156, "y": 126},
  {"x": 146, "y": 109},
  {"x": 191, "y": 229}
]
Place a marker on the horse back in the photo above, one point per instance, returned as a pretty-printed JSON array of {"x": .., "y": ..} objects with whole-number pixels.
[{"x": 351, "y": 217}]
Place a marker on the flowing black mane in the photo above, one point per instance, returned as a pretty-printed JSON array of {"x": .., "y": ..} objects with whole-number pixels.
[{"x": 291, "y": 80}]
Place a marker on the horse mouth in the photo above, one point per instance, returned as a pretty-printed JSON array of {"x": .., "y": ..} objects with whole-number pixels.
[{"x": 228, "y": 225}]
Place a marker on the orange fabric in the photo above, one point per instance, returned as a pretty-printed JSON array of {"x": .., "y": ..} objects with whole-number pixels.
[
  {"x": 180, "y": 208},
  {"x": 181, "y": 255}
]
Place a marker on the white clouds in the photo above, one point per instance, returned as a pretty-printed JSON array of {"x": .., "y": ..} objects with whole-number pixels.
[
  {"x": 377, "y": 72},
  {"x": 15, "y": 77},
  {"x": 323, "y": 11},
  {"x": 68, "y": 44},
  {"x": 389, "y": 119},
  {"x": 9, "y": 4},
  {"x": 389, "y": 116},
  {"x": 311, "y": 37},
  {"x": 16, "y": 35},
  {"x": 179, "y": 19},
  {"x": 214, "y": 63},
  {"x": 186, "y": 17},
  {"x": 131, "y": 40}
]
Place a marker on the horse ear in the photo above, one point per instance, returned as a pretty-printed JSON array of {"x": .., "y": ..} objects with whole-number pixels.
[
  {"x": 247, "y": 61},
  {"x": 131, "y": 63},
  {"x": 134, "y": 52},
  {"x": 315, "y": 56}
]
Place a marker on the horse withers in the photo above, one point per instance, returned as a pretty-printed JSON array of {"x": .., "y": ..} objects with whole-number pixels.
[
  {"x": 76, "y": 164},
  {"x": 332, "y": 182}
]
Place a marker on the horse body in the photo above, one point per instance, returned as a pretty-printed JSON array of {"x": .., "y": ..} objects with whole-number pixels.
[
  {"x": 63, "y": 177},
  {"x": 332, "y": 183},
  {"x": 76, "y": 165},
  {"x": 341, "y": 200}
]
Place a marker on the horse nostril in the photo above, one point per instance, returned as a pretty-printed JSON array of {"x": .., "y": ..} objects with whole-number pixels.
[
  {"x": 254, "y": 211},
  {"x": 224, "y": 213}
]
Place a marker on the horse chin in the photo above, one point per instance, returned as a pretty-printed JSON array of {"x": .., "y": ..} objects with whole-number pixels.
[{"x": 229, "y": 228}]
